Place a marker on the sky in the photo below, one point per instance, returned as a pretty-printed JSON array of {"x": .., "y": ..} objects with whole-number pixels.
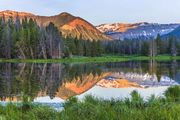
[{"x": 102, "y": 11}]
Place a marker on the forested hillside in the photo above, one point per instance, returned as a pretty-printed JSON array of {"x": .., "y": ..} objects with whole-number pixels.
[
  {"x": 150, "y": 47},
  {"x": 80, "y": 47},
  {"x": 25, "y": 39}
]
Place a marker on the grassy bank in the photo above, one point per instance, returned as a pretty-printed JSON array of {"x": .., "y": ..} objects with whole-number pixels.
[
  {"x": 91, "y": 108},
  {"x": 108, "y": 58}
]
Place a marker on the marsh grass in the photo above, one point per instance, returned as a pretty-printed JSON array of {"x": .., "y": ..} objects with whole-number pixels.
[{"x": 92, "y": 108}]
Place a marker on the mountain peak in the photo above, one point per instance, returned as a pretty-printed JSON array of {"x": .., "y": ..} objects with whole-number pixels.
[
  {"x": 68, "y": 24},
  {"x": 81, "y": 28},
  {"x": 141, "y": 30},
  {"x": 65, "y": 14},
  {"x": 15, "y": 13}
]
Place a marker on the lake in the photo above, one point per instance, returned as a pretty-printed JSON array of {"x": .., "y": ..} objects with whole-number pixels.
[{"x": 54, "y": 83}]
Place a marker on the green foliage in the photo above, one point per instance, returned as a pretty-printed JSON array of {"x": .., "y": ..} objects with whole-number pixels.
[
  {"x": 35, "y": 112},
  {"x": 173, "y": 94},
  {"x": 40, "y": 113},
  {"x": 136, "y": 99},
  {"x": 159, "y": 44},
  {"x": 149, "y": 47},
  {"x": 80, "y": 47},
  {"x": 71, "y": 101},
  {"x": 24, "y": 39},
  {"x": 103, "y": 58},
  {"x": 27, "y": 40},
  {"x": 92, "y": 108},
  {"x": 130, "y": 109}
]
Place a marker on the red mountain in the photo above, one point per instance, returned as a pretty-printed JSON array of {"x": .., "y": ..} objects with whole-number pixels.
[{"x": 68, "y": 24}]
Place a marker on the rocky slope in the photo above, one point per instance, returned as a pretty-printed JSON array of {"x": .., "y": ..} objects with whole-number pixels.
[
  {"x": 135, "y": 31},
  {"x": 174, "y": 33},
  {"x": 68, "y": 24},
  {"x": 117, "y": 27}
]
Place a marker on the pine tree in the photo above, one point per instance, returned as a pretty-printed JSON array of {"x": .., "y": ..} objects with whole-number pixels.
[
  {"x": 158, "y": 43},
  {"x": 172, "y": 46},
  {"x": 93, "y": 48},
  {"x": 55, "y": 41},
  {"x": 99, "y": 48},
  {"x": 80, "y": 48},
  {"x": 87, "y": 48}
]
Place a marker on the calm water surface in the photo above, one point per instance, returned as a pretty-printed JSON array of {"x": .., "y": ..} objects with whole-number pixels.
[{"x": 54, "y": 83}]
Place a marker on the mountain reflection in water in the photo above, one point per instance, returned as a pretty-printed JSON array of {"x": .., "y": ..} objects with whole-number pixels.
[{"x": 33, "y": 82}]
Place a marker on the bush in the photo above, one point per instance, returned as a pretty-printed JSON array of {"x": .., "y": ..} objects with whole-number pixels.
[{"x": 173, "y": 94}]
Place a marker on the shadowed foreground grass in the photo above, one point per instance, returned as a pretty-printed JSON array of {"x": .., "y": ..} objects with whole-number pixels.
[
  {"x": 91, "y": 108},
  {"x": 105, "y": 58}
]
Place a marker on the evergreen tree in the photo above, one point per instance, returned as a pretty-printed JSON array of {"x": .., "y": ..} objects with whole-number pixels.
[
  {"x": 27, "y": 40},
  {"x": 158, "y": 43},
  {"x": 172, "y": 46}
]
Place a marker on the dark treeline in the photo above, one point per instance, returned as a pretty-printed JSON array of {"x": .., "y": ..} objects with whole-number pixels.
[
  {"x": 25, "y": 39},
  {"x": 80, "y": 47},
  {"x": 153, "y": 47}
]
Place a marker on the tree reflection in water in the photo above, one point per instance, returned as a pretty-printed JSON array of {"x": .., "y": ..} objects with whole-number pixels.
[{"x": 21, "y": 81}]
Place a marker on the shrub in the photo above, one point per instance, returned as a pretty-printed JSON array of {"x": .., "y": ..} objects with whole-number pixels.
[{"x": 173, "y": 93}]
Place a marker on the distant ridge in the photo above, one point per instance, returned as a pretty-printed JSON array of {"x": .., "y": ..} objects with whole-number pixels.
[
  {"x": 141, "y": 30},
  {"x": 174, "y": 33}
]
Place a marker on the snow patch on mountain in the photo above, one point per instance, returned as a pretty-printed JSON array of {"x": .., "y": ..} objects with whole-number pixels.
[{"x": 135, "y": 31}]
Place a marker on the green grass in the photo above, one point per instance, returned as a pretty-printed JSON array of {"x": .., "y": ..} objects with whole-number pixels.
[
  {"x": 27, "y": 112},
  {"x": 92, "y": 108},
  {"x": 106, "y": 58}
]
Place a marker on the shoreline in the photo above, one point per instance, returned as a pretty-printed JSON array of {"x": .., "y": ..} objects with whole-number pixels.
[{"x": 108, "y": 58}]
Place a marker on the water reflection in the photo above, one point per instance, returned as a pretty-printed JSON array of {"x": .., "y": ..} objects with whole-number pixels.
[{"x": 26, "y": 82}]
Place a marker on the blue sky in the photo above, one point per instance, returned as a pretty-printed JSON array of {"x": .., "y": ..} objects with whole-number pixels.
[{"x": 103, "y": 11}]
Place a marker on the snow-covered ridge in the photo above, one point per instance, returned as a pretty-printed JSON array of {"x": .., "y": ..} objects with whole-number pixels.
[
  {"x": 138, "y": 30},
  {"x": 118, "y": 27}
]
